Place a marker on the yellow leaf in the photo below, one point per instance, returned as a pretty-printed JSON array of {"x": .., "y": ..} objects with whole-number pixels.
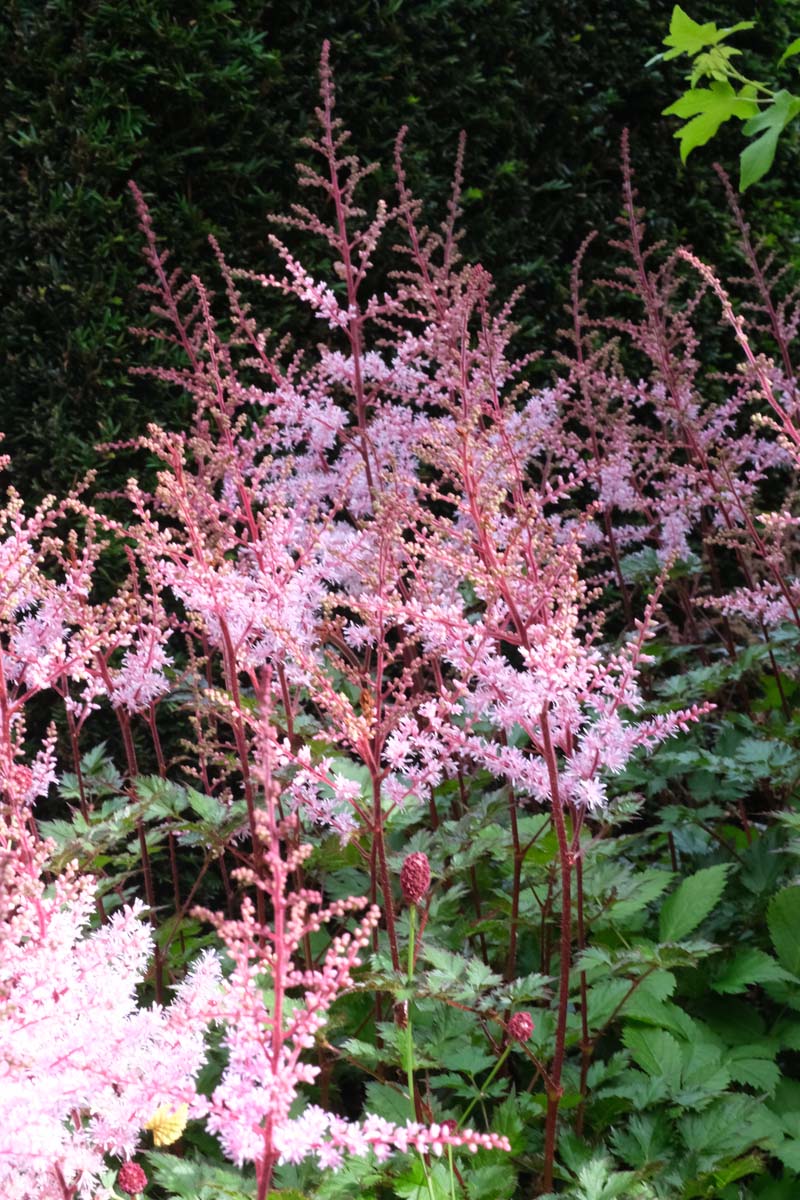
[{"x": 166, "y": 1125}]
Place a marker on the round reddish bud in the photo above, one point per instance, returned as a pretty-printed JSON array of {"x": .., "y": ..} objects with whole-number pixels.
[
  {"x": 450, "y": 1126},
  {"x": 131, "y": 1179},
  {"x": 520, "y": 1027},
  {"x": 415, "y": 877}
]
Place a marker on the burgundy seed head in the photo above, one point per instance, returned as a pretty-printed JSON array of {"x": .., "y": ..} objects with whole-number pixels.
[
  {"x": 131, "y": 1179},
  {"x": 415, "y": 877},
  {"x": 520, "y": 1027}
]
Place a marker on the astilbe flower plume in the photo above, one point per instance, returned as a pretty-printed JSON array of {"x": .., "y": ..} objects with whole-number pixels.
[
  {"x": 267, "y": 1030},
  {"x": 680, "y": 460},
  {"x": 83, "y": 1066}
]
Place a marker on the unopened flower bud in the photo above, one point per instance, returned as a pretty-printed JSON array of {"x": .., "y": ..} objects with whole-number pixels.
[
  {"x": 520, "y": 1027},
  {"x": 415, "y": 877},
  {"x": 131, "y": 1179}
]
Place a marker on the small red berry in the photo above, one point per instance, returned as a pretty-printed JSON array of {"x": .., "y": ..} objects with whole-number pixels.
[
  {"x": 415, "y": 877},
  {"x": 131, "y": 1179},
  {"x": 520, "y": 1027}
]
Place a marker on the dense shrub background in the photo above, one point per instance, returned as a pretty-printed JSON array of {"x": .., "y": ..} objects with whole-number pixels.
[{"x": 204, "y": 102}]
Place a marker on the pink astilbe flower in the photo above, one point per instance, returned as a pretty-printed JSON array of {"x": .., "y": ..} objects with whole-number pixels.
[
  {"x": 140, "y": 679},
  {"x": 83, "y": 1067},
  {"x": 683, "y": 459},
  {"x": 331, "y": 1139},
  {"x": 272, "y": 1010},
  {"x": 265, "y": 1040},
  {"x": 764, "y": 604}
]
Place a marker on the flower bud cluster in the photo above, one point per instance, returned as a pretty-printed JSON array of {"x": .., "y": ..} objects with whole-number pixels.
[{"x": 415, "y": 877}]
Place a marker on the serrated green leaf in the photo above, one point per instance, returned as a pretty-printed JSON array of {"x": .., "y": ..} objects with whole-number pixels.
[
  {"x": 450, "y": 965},
  {"x": 729, "y": 1125},
  {"x": 480, "y": 977},
  {"x": 598, "y": 1181},
  {"x": 691, "y": 902},
  {"x": 644, "y": 1140},
  {"x": 783, "y": 919},
  {"x": 651, "y": 1011},
  {"x": 421, "y": 1184},
  {"x": 748, "y": 967},
  {"x": 363, "y": 1052},
  {"x": 208, "y": 808},
  {"x": 197, "y": 1179},
  {"x": 390, "y": 1103},
  {"x": 498, "y": 1180},
  {"x": 603, "y": 999},
  {"x": 759, "y": 1073},
  {"x": 657, "y": 1052},
  {"x": 757, "y": 158},
  {"x": 709, "y": 108},
  {"x": 703, "y": 1072},
  {"x": 645, "y": 887}
]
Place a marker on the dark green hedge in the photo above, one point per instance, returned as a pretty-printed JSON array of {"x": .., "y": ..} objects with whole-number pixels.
[{"x": 203, "y": 103}]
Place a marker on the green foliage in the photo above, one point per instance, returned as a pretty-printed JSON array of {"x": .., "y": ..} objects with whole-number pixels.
[
  {"x": 204, "y": 103},
  {"x": 758, "y": 157},
  {"x": 691, "y": 903},
  {"x": 687, "y": 37},
  {"x": 708, "y": 108},
  {"x": 197, "y": 1179},
  {"x": 684, "y": 1004},
  {"x": 730, "y": 94},
  {"x": 783, "y": 918}
]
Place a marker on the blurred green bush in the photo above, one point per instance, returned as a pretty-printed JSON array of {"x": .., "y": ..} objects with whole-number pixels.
[{"x": 203, "y": 104}]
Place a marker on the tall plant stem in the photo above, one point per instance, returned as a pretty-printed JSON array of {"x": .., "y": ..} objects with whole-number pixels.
[
  {"x": 503, "y": 1056},
  {"x": 555, "y": 1090},
  {"x": 243, "y": 753},
  {"x": 516, "y": 884},
  {"x": 379, "y": 846},
  {"x": 586, "y": 1045},
  {"x": 413, "y": 1096},
  {"x": 147, "y": 873},
  {"x": 460, "y": 809},
  {"x": 511, "y": 961}
]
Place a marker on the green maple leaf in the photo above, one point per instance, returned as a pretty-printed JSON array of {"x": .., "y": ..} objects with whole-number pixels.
[
  {"x": 709, "y": 108},
  {"x": 790, "y": 51},
  {"x": 757, "y": 158},
  {"x": 715, "y": 63},
  {"x": 688, "y": 37}
]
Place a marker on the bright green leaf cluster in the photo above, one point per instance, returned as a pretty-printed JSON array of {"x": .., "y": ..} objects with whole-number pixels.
[{"x": 728, "y": 95}]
